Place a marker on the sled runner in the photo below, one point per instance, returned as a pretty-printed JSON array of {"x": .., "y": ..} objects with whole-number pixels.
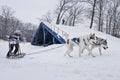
[{"x": 17, "y": 56}]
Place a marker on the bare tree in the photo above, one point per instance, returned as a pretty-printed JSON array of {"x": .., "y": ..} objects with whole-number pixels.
[
  {"x": 113, "y": 17},
  {"x": 28, "y": 31},
  {"x": 118, "y": 25},
  {"x": 74, "y": 14},
  {"x": 109, "y": 17},
  {"x": 7, "y": 13},
  {"x": 115, "y": 12},
  {"x": 93, "y": 12},
  {"x": 100, "y": 24},
  {"x": 1, "y": 22},
  {"x": 100, "y": 13},
  {"x": 13, "y": 25},
  {"x": 9, "y": 23},
  {"x": 77, "y": 12},
  {"x": 47, "y": 18},
  {"x": 62, "y": 7},
  {"x": 68, "y": 17}
]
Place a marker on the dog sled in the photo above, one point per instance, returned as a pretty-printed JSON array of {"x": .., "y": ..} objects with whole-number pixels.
[{"x": 16, "y": 56}]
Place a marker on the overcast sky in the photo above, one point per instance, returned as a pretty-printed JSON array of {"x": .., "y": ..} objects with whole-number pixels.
[{"x": 30, "y": 10}]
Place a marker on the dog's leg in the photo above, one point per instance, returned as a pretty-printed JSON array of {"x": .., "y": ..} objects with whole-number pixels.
[
  {"x": 90, "y": 51},
  {"x": 66, "y": 53},
  {"x": 92, "y": 54},
  {"x": 80, "y": 48},
  {"x": 70, "y": 49},
  {"x": 100, "y": 51},
  {"x": 67, "y": 46}
]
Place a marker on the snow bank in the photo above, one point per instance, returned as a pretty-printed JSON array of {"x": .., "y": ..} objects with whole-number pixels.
[{"x": 49, "y": 63}]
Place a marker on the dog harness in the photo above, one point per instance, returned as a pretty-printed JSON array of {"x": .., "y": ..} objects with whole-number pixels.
[
  {"x": 85, "y": 41},
  {"x": 76, "y": 40},
  {"x": 96, "y": 44}
]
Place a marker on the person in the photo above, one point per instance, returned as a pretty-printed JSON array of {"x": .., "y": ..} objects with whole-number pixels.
[
  {"x": 13, "y": 42},
  {"x": 63, "y": 21}
]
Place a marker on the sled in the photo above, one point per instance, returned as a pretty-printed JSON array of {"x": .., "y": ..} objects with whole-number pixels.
[{"x": 17, "y": 56}]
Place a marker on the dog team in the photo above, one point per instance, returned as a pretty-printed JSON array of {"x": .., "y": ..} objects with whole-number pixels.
[{"x": 88, "y": 42}]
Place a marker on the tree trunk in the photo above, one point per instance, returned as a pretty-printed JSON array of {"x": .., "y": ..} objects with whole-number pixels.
[
  {"x": 73, "y": 24},
  {"x": 110, "y": 20},
  {"x": 107, "y": 28},
  {"x": 58, "y": 19},
  {"x": 93, "y": 12},
  {"x": 100, "y": 25}
]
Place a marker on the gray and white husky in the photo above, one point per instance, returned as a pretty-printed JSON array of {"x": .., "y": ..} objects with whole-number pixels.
[
  {"x": 97, "y": 43},
  {"x": 100, "y": 43},
  {"x": 82, "y": 42}
]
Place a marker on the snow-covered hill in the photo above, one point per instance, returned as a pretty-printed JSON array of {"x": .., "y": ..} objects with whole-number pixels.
[{"x": 49, "y": 63}]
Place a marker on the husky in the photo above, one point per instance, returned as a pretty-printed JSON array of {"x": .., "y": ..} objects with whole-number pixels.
[
  {"x": 100, "y": 43},
  {"x": 97, "y": 43},
  {"x": 82, "y": 42}
]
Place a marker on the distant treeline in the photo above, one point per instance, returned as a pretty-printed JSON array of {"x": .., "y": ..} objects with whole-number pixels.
[
  {"x": 9, "y": 23},
  {"x": 104, "y": 15}
]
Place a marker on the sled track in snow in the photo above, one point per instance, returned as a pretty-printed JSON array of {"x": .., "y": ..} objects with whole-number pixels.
[{"x": 45, "y": 50}]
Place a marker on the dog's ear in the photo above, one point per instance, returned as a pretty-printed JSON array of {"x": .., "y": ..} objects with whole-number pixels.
[
  {"x": 93, "y": 34},
  {"x": 96, "y": 37},
  {"x": 90, "y": 34},
  {"x": 105, "y": 40}
]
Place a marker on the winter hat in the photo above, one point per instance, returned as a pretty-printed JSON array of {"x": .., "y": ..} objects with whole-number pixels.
[{"x": 18, "y": 32}]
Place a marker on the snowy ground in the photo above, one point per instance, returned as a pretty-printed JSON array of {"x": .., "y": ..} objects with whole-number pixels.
[{"x": 53, "y": 65}]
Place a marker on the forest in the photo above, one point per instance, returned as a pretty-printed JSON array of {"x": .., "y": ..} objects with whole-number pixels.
[{"x": 103, "y": 16}]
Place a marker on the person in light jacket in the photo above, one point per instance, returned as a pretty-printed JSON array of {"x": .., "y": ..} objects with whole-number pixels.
[{"x": 13, "y": 42}]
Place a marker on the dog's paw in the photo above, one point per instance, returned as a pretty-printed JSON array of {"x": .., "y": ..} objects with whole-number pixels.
[
  {"x": 93, "y": 56},
  {"x": 70, "y": 56},
  {"x": 64, "y": 54},
  {"x": 79, "y": 55}
]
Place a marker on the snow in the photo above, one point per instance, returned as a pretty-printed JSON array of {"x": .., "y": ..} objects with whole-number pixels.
[{"x": 49, "y": 63}]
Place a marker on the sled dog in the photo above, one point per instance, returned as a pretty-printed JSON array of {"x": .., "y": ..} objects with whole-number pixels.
[
  {"x": 100, "y": 43},
  {"x": 82, "y": 42}
]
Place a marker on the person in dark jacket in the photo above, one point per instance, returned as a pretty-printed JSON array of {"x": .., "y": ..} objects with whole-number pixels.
[
  {"x": 13, "y": 42},
  {"x": 63, "y": 21}
]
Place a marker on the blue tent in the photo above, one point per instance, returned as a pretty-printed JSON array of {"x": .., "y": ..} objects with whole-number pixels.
[{"x": 45, "y": 36}]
